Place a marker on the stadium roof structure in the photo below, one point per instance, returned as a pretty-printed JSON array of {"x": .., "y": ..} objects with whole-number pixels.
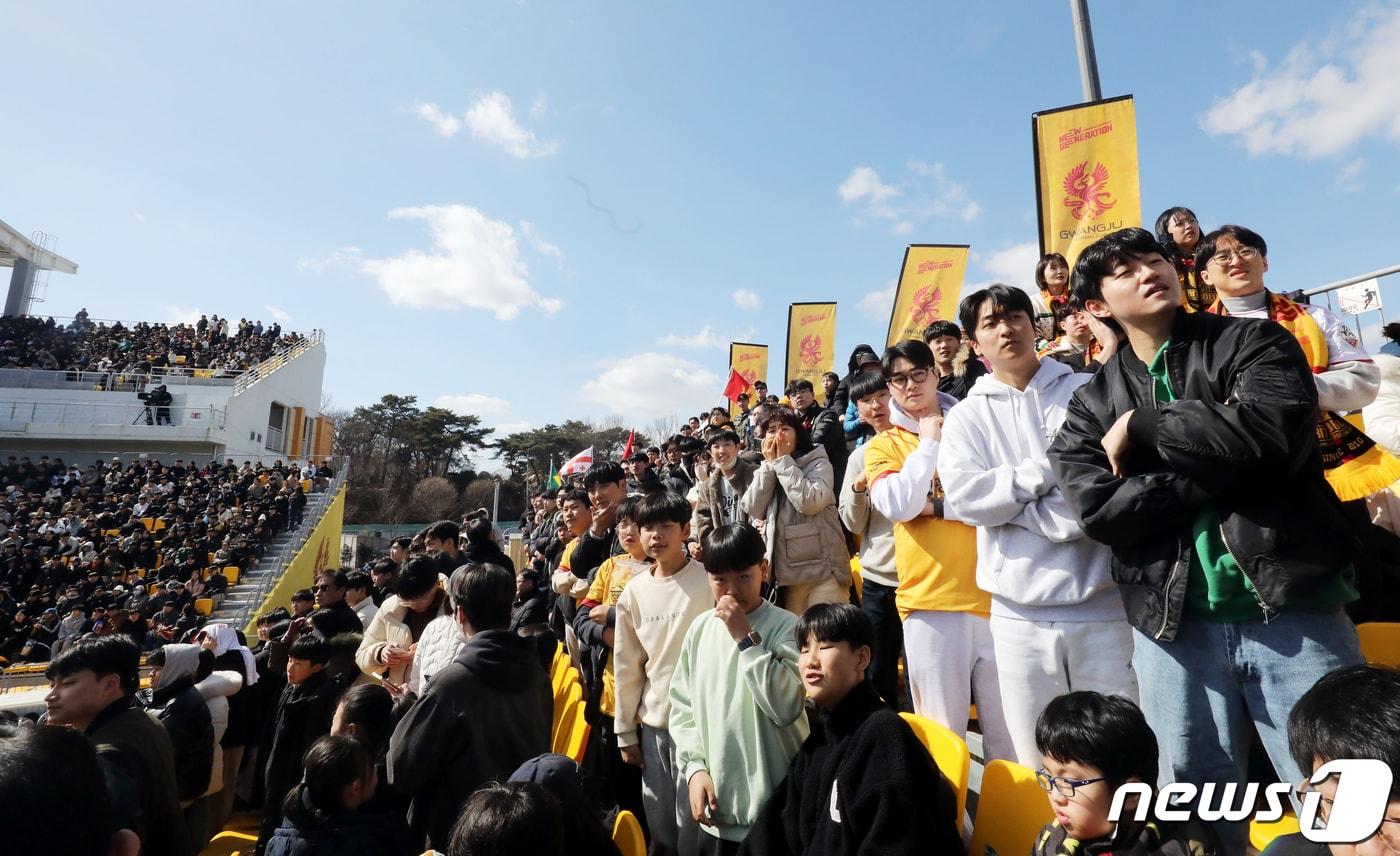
[{"x": 27, "y": 258}]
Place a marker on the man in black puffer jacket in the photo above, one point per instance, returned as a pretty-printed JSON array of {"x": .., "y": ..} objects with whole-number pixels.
[
  {"x": 1193, "y": 454},
  {"x": 481, "y": 717}
]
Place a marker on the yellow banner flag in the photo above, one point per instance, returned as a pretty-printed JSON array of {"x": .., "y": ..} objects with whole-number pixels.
[
  {"x": 811, "y": 343},
  {"x": 751, "y": 362},
  {"x": 930, "y": 283},
  {"x": 1086, "y": 173}
]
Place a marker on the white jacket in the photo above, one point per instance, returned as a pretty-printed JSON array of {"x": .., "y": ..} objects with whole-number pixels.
[
  {"x": 1383, "y": 415},
  {"x": 441, "y": 642},
  {"x": 1032, "y": 555},
  {"x": 215, "y": 690}
]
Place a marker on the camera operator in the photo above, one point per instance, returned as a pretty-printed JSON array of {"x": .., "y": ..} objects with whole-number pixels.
[{"x": 161, "y": 399}]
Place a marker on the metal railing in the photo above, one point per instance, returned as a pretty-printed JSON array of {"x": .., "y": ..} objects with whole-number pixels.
[
  {"x": 279, "y": 358},
  {"x": 86, "y": 413},
  {"x": 279, "y": 563},
  {"x": 113, "y": 381}
]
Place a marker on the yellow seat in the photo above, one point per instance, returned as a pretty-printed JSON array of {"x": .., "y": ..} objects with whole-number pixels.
[
  {"x": 180, "y": 359},
  {"x": 576, "y": 742},
  {"x": 573, "y": 694},
  {"x": 1380, "y": 642},
  {"x": 949, "y": 753},
  {"x": 204, "y": 606},
  {"x": 211, "y": 558},
  {"x": 856, "y": 579},
  {"x": 230, "y": 843},
  {"x": 231, "y": 573},
  {"x": 1011, "y": 809},
  {"x": 627, "y": 835},
  {"x": 149, "y": 523},
  {"x": 1262, "y": 832},
  {"x": 160, "y": 523},
  {"x": 306, "y": 485}
]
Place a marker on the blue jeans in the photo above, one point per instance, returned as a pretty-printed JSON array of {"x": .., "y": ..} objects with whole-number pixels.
[{"x": 1201, "y": 690}]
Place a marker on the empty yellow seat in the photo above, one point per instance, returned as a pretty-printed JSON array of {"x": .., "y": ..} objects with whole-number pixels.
[
  {"x": 1380, "y": 642},
  {"x": 1011, "y": 809},
  {"x": 949, "y": 753},
  {"x": 149, "y": 523},
  {"x": 204, "y": 606},
  {"x": 627, "y": 835},
  {"x": 231, "y": 573}
]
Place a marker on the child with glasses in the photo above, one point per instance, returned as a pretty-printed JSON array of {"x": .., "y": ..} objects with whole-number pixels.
[{"x": 1091, "y": 744}]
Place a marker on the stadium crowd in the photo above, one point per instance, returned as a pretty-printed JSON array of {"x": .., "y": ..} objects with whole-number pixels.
[
  {"x": 212, "y": 343},
  {"x": 127, "y": 549},
  {"x": 1124, "y": 520}
]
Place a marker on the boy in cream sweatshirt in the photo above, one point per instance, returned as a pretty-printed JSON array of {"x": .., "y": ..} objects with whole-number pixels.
[
  {"x": 653, "y": 613},
  {"x": 737, "y": 715}
]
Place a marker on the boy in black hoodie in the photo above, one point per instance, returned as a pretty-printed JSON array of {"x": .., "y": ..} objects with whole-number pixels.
[
  {"x": 481, "y": 717},
  {"x": 304, "y": 715},
  {"x": 862, "y": 782}
]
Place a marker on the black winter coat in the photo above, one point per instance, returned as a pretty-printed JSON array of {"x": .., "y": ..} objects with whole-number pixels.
[
  {"x": 303, "y": 716},
  {"x": 181, "y": 710},
  {"x": 342, "y": 833},
  {"x": 1241, "y": 437},
  {"x": 861, "y": 783},
  {"x": 482, "y": 716}
]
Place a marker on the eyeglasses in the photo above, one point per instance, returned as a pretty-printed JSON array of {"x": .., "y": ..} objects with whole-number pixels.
[
  {"x": 900, "y": 380},
  {"x": 322, "y": 587},
  {"x": 1389, "y": 832},
  {"x": 1063, "y": 786},
  {"x": 1243, "y": 253}
]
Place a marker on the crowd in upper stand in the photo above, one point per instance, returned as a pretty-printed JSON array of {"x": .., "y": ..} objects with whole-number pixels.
[{"x": 212, "y": 343}]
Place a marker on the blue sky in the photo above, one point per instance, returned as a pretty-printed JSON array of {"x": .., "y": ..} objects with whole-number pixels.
[{"x": 415, "y": 177}]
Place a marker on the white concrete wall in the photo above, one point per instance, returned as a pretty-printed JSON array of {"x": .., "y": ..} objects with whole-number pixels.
[{"x": 232, "y": 425}]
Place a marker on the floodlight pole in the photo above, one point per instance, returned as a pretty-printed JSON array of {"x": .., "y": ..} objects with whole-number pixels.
[{"x": 1084, "y": 43}]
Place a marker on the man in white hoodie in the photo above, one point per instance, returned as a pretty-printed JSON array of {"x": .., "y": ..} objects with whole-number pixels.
[{"x": 1057, "y": 623}]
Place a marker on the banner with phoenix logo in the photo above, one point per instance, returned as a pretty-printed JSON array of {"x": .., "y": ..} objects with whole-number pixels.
[
  {"x": 811, "y": 342},
  {"x": 751, "y": 362},
  {"x": 930, "y": 283},
  {"x": 1086, "y": 173}
]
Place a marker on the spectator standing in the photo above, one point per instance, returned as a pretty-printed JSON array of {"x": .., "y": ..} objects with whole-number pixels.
[
  {"x": 175, "y": 703},
  {"x": 721, "y": 490},
  {"x": 386, "y": 652},
  {"x": 93, "y": 690},
  {"x": 480, "y": 718},
  {"x": 736, "y": 698},
  {"x": 879, "y": 574},
  {"x": 792, "y": 502},
  {"x": 304, "y": 714},
  {"x": 653, "y": 614},
  {"x": 357, "y": 596}
]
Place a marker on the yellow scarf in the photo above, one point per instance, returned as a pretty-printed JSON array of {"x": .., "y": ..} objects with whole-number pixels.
[{"x": 1354, "y": 465}]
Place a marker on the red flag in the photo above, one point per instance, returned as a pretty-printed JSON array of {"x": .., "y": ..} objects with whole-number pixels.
[
  {"x": 627, "y": 452},
  {"x": 736, "y": 385}
]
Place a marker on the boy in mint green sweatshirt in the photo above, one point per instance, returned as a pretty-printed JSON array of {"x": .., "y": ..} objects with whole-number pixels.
[{"x": 737, "y": 715}]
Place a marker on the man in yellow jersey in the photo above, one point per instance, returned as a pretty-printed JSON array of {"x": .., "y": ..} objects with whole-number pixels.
[{"x": 947, "y": 639}]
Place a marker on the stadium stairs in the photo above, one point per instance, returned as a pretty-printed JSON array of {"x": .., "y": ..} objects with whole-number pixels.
[{"x": 244, "y": 597}]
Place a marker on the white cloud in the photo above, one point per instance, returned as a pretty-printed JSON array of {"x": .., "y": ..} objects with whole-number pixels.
[
  {"x": 705, "y": 337},
  {"x": 745, "y": 299},
  {"x": 864, "y": 186},
  {"x": 924, "y": 192},
  {"x": 474, "y": 263},
  {"x": 339, "y": 257},
  {"x": 181, "y": 314},
  {"x": 1349, "y": 177},
  {"x": 491, "y": 120},
  {"x": 539, "y": 244},
  {"x": 474, "y": 404},
  {"x": 505, "y": 429},
  {"x": 539, "y": 108},
  {"x": 446, "y": 124},
  {"x": 879, "y": 303},
  {"x": 1012, "y": 265},
  {"x": 651, "y": 385},
  {"x": 1326, "y": 96},
  {"x": 278, "y": 314}
]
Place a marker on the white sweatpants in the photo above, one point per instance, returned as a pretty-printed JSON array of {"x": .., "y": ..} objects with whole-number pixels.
[
  {"x": 950, "y": 663},
  {"x": 1039, "y": 660}
]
